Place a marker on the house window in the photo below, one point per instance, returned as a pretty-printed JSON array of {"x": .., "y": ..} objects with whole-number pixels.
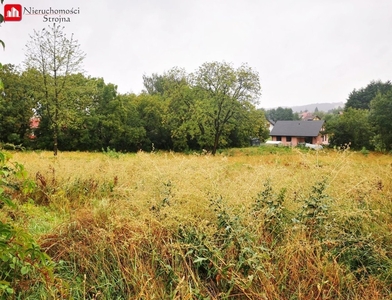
[
  {"x": 279, "y": 138},
  {"x": 288, "y": 138}
]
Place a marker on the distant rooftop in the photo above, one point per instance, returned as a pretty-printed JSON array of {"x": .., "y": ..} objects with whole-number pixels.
[{"x": 297, "y": 128}]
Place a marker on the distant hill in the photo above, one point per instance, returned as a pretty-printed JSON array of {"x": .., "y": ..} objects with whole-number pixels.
[{"x": 320, "y": 106}]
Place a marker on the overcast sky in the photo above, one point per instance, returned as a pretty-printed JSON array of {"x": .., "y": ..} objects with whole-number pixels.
[{"x": 305, "y": 51}]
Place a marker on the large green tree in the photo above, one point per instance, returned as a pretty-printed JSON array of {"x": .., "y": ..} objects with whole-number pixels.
[
  {"x": 104, "y": 119},
  {"x": 122, "y": 127},
  {"x": 16, "y": 105},
  {"x": 351, "y": 128},
  {"x": 381, "y": 117},
  {"x": 175, "y": 98},
  {"x": 81, "y": 130},
  {"x": 250, "y": 124},
  {"x": 223, "y": 95},
  {"x": 181, "y": 118},
  {"x": 152, "y": 111},
  {"x": 56, "y": 57},
  {"x": 360, "y": 99},
  {"x": 215, "y": 106}
]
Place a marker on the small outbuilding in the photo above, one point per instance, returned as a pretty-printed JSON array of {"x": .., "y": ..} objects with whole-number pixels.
[{"x": 255, "y": 142}]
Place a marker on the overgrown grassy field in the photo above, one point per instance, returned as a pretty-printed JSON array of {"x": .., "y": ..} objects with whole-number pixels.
[{"x": 256, "y": 223}]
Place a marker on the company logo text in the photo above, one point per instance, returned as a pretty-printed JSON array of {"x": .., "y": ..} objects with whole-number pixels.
[{"x": 50, "y": 14}]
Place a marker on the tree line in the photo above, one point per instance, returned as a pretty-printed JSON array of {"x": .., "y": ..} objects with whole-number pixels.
[
  {"x": 366, "y": 121},
  {"x": 213, "y": 107}
]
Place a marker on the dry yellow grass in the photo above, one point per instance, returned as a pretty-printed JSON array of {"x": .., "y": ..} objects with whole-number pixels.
[
  {"x": 144, "y": 179},
  {"x": 133, "y": 206}
]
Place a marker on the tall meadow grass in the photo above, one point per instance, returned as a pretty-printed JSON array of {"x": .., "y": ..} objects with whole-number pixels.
[{"x": 257, "y": 223}]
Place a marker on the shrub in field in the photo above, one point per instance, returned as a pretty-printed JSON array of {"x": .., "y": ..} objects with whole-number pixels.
[
  {"x": 9, "y": 146},
  {"x": 365, "y": 253},
  {"x": 111, "y": 152},
  {"x": 314, "y": 212},
  {"x": 268, "y": 208},
  {"x": 364, "y": 151},
  {"x": 22, "y": 263},
  {"x": 227, "y": 255}
]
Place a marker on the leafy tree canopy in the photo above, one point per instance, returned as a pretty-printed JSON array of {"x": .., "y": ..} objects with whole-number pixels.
[
  {"x": 360, "y": 99},
  {"x": 281, "y": 114},
  {"x": 351, "y": 128},
  {"x": 55, "y": 56},
  {"x": 381, "y": 117},
  {"x": 16, "y": 103},
  {"x": 224, "y": 94}
]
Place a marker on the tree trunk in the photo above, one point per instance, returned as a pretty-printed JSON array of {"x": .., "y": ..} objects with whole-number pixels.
[
  {"x": 55, "y": 135},
  {"x": 216, "y": 142}
]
